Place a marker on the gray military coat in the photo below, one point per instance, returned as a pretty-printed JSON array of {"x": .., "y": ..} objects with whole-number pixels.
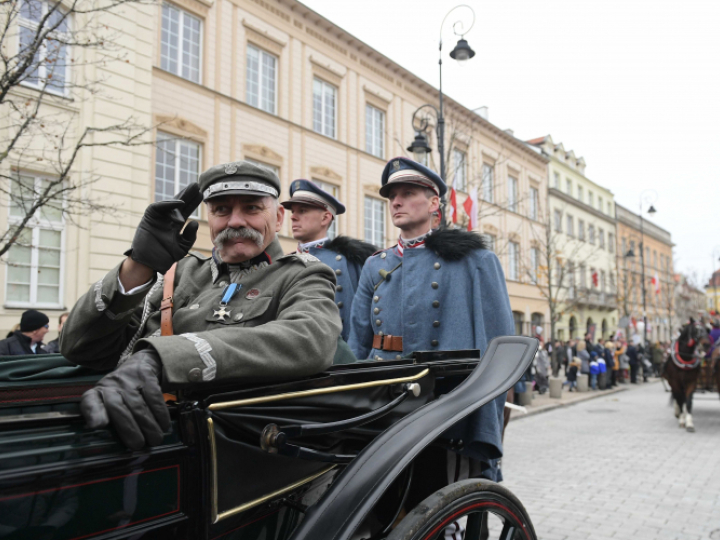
[{"x": 283, "y": 322}]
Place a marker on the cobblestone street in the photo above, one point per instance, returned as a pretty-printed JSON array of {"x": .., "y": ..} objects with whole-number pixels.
[{"x": 618, "y": 467}]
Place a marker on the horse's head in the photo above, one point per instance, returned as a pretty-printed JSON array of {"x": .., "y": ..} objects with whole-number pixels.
[{"x": 694, "y": 335}]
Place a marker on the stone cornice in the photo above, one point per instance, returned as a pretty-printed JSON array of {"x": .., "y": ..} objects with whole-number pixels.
[{"x": 585, "y": 207}]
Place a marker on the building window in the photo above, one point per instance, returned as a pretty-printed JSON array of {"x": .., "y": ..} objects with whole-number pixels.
[
  {"x": 581, "y": 230},
  {"x": 490, "y": 241},
  {"x": 609, "y": 209},
  {"x": 534, "y": 264},
  {"x": 375, "y": 221},
  {"x": 600, "y": 204},
  {"x": 50, "y": 64},
  {"x": 374, "y": 131},
  {"x": 180, "y": 43},
  {"x": 177, "y": 165},
  {"x": 513, "y": 257},
  {"x": 601, "y": 238},
  {"x": 583, "y": 276},
  {"x": 556, "y": 183},
  {"x": 591, "y": 234},
  {"x": 333, "y": 190},
  {"x": 460, "y": 169},
  {"x": 534, "y": 202},
  {"x": 655, "y": 259},
  {"x": 487, "y": 182},
  {"x": 611, "y": 242},
  {"x": 602, "y": 281},
  {"x": 512, "y": 193},
  {"x": 568, "y": 186},
  {"x": 35, "y": 262},
  {"x": 261, "y": 79},
  {"x": 580, "y": 193},
  {"x": 558, "y": 220},
  {"x": 570, "y": 225},
  {"x": 518, "y": 320},
  {"x": 591, "y": 200},
  {"x": 324, "y": 107}
]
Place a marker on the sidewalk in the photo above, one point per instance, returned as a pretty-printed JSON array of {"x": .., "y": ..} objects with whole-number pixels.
[{"x": 544, "y": 403}]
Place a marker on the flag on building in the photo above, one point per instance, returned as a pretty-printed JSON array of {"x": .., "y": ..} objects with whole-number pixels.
[
  {"x": 655, "y": 282},
  {"x": 453, "y": 205},
  {"x": 471, "y": 208},
  {"x": 595, "y": 278}
]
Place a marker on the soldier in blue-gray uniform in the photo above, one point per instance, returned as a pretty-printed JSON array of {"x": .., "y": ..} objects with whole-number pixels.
[
  {"x": 435, "y": 290},
  {"x": 313, "y": 212}
]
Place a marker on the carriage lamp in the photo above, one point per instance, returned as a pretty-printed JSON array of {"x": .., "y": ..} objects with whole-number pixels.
[
  {"x": 419, "y": 147},
  {"x": 462, "y": 52}
]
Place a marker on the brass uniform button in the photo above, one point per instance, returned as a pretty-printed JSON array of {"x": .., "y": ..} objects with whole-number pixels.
[
  {"x": 436, "y": 266},
  {"x": 383, "y": 255},
  {"x": 222, "y": 283},
  {"x": 195, "y": 375},
  {"x": 381, "y": 334},
  {"x": 398, "y": 357},
  {"x": 376, "y": 310},
  {"x": 338, "y": 257},
  {"x": 434, "y": 285},
  {"x": 376, "y": 299},
  {"x": 239, "y": 316},
  {"x": 434, "y": 343},
  {"x": 436, "y": 323},
  {"x": 338, "y": 288},
  {"x": 338, "y": 272},
  {"x": 340, "y": 304},
  {"x": 436, "y": 304},
  {"x": 378, "y": 322}
]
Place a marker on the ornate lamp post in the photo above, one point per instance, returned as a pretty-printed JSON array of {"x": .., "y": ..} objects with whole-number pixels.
[{"x": 461, "y": 53}]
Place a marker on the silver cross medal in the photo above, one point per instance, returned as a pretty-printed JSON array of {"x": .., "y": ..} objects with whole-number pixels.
[{"x": 221, "y": 313}]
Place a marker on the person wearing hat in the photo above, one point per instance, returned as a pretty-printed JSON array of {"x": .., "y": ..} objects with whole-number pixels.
[
  {"x": 313, "y": 212},
  {"x": 247, "y": 313},
  {"x": 436, "y": 289},
  {"x": 28, "y": 339}
]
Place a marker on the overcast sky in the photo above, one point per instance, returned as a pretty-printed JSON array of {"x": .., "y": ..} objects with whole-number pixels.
[{"x": 632, "y": 86}]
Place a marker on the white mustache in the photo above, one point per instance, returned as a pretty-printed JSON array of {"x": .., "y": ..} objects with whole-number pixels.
[{"x": 231, "y": 233}]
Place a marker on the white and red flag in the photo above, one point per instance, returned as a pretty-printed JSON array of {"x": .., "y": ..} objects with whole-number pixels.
[
  {"x": 655, "y": 282},
  {"x": 453, "y": 205},
  {"x": 471, "y": 208}
]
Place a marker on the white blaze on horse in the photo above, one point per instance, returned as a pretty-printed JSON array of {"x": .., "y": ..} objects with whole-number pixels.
[{"x": 682, "y": 369}]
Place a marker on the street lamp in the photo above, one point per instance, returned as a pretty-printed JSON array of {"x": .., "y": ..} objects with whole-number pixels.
[
  {"x": 712, "y": 278},
  {"x": 645, "y": 197},
  {"x": 461, "y": 53}
]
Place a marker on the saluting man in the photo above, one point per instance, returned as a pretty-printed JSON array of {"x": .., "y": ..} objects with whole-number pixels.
[
  {"x": 221, "y": 306},
  {"x": 435, "y": 290},
  {"x": 313, "y": 212}
]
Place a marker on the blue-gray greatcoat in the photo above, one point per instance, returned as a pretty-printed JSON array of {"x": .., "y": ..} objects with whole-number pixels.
[
  {"x": 346, "y": 257},
  {"x": 449, "y": 295}
]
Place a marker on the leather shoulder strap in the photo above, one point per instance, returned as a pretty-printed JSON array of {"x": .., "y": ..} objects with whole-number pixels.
[{"x": 166, "y": 328}]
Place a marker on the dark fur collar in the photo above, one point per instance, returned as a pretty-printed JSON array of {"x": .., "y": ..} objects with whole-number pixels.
[
  {"x": 355, "y": 251},
  {"x": 453, "y": 244}
]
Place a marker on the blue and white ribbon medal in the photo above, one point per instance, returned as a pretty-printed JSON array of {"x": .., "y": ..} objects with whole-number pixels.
[{"x": 228, "y": 294}]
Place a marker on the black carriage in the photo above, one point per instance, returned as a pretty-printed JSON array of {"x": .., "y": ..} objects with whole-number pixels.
[{"x": 340, "y": 455}]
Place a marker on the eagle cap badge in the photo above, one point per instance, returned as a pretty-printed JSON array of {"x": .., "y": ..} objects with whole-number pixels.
[
  {"x": 396, "y": 165},
  {"x": 230, "y": 168}
]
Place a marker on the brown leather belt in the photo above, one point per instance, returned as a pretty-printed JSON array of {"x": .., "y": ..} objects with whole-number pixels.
[
  {"x": 388, "y": 343},
  {"x": 166, "y": 305}
]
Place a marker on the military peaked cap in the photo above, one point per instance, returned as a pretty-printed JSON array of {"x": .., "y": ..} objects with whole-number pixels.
[
  {"x": 239, "y": 178},
  {"x": 307, "y": 192},
  {"x": 401, "y": 170}
]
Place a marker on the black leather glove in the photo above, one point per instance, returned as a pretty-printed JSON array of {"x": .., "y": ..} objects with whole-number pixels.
[
  {"x": 158, "y": 242},
  {"x": 131, "y": 399}
]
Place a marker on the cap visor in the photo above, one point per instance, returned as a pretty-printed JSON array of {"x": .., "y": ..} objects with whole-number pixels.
[{"x": 245, "y": 192}]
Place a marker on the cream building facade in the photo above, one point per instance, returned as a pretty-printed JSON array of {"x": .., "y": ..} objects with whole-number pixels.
[
  {"x": 276, "y": 83},
  {"x": 583, "y": 234}
]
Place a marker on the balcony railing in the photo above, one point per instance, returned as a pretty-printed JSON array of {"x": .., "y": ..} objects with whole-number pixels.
[{"x": 594, "y": 298}]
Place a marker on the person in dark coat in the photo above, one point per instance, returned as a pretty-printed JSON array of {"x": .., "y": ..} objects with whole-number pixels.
[
  {"x": 28, "y": 340},
  {"x": 54, "y": 345},
  {"x": 632, "y": 354},
  {"x": 313, "y": 212}
]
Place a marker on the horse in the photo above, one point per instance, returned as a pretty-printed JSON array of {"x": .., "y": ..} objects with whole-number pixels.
[{"x": 682, "y": 368}]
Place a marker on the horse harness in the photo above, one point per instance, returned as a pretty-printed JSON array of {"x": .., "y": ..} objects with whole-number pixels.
[{"x": 679, "y": 361}]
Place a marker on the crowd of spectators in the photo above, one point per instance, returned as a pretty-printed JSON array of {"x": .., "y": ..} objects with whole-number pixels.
[{"x": 27, "y": 336}]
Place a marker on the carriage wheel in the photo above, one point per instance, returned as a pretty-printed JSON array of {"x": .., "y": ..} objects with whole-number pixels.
[{"x": 489, "y": 511}]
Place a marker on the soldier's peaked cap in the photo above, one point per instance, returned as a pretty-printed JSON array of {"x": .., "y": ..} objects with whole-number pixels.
[
  {"x": 239, "y": 178},
  {"x": 307, "y": 192},
  {"x": 401, "y": 170}
]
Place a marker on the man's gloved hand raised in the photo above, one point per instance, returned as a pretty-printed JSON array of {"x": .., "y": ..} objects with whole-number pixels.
[
  {"x": 131, "y": 399},
  {"x": 158, "y": 242}
]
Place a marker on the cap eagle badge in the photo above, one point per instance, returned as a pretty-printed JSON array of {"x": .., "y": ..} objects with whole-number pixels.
[{"x": 230, "y": 168}]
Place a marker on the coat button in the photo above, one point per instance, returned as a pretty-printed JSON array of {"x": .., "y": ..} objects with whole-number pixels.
[
  {"x": 436, "y": 266},
  {"x": 381, "y": 334},
  {"x": 338, "y": 288},
  {"x": 436, "y": 304},
  {"x": 340, "y": 304},
  {"x": 398, "y": 357},
  {"x": 378, "y": 322},
  {"x": 377, "y": 358},
  {"x": 434, "y": 285},
  {"x": 195, "y": 375},
  {"x": 434, "y": 343},
  {"x": 383, "y": 255},
  {"x": 376, "y": 299},
  {"x": 436, "y": 323},
  {"x": 338, "y": 257},
  {"x": 376, "y": 310},
  {"x": 338, "y": 272},
  {"x": 239, "y": 316},
  {"x": 222, "y": 283}
]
